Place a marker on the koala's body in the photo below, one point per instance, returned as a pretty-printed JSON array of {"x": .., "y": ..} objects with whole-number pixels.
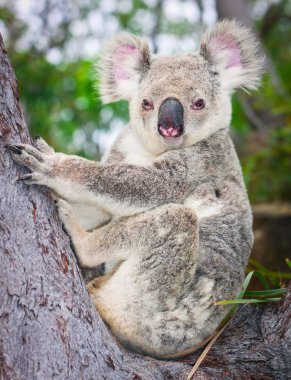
[{"x": 166, "y": 210}]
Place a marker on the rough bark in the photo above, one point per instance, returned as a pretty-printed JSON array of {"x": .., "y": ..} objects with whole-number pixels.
[{"x": 49, "y": 328}]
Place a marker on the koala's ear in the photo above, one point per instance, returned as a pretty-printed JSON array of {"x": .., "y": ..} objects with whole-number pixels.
[
  {"x": 233, "y": 50},
  {"x": 125, "y": 61}
]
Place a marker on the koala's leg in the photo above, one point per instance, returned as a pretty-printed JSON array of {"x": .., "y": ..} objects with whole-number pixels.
[
  {"x": 142, "y": 301},
  {"x": 165, "y": 238},
  {"x": 145, "y": 301},
  {"x": 96, "y": 247}
]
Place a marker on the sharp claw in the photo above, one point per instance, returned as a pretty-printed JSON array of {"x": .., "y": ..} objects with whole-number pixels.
[
  {"x": 24, "y": 177},
  {"x": 17, "y": 149}
]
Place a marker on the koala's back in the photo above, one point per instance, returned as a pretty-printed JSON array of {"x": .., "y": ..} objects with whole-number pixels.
[{"x": 184, "y": 257}]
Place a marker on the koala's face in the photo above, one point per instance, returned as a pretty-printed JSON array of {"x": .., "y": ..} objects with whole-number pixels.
[
  {"x": 177, "y": 101},
  {"x": 171, "y": 110}
]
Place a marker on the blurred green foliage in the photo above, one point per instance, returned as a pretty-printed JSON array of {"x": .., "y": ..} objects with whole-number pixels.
[
  {"x": 268, "y": 172},
  {"x": 61, "y": 102}
]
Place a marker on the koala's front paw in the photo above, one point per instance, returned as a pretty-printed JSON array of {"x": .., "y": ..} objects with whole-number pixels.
[
  {"x": 42, "y": 146},
  {"x": 39, "y": 161}
]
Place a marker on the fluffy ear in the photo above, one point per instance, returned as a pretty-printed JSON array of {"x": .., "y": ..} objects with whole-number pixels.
[
  {"x": 233, "y": 50},
  {"x": 125, "y": 61}
]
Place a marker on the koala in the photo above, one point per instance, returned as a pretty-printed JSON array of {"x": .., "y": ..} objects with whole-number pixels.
[{"x": 166, "y": 210}]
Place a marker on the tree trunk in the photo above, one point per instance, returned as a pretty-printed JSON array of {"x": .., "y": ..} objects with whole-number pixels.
[{"x": 49, "y": 328}]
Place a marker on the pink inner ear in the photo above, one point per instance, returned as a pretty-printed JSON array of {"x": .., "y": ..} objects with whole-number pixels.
[
  {"x": 228, "y": 44},
  {"x": 120, "y": 57}
]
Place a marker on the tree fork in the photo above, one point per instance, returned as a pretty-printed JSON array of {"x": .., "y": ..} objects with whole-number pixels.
[{"x": 48, "y": 325}]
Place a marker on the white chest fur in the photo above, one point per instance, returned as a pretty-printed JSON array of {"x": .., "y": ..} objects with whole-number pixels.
[{"x": 133, "y": 150}]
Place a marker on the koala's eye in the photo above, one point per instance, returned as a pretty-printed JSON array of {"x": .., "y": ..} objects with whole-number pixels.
[
  {"x": 198, "y": 104},
  {"x": 147, "y": 105}
]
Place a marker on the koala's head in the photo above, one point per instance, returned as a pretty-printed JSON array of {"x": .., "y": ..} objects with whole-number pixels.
[{"x": 178, "y": 100}]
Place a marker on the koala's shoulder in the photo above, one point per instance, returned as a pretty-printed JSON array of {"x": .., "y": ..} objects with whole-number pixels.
[
  {"x": 216, "y": 144},
  {"x": 214, "y": 152}
]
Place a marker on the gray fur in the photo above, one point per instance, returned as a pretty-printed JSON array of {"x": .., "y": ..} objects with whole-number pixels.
[{"x": 169, "y": 218}]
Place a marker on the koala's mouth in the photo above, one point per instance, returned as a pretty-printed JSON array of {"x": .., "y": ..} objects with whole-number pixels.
[
  {"x": 171, "y": 121},
  {"x": 170, "y": 130}
]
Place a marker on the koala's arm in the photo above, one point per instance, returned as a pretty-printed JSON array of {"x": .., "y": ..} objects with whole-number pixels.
[
  {"x": 120, "y": 188},
  {"x": 123, "y": 188}
]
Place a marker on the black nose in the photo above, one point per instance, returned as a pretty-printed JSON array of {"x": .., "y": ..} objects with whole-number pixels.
[{"x": 171, "y": 120}]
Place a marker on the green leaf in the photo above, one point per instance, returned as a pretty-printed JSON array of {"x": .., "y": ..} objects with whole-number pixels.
[
  {"x": 265, "y": 293},
  {"x": 240, "y": 295},
  {"x": 263, "y": 280},
  {"x": 239, "y": 301},
  {"x": 245, "y": 284},
  {"x": 273, "y": 276},
  {"x": 265, "y": 296}
]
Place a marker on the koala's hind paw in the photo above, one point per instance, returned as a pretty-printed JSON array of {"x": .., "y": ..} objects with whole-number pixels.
[{"x": 65, "y": 210}]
